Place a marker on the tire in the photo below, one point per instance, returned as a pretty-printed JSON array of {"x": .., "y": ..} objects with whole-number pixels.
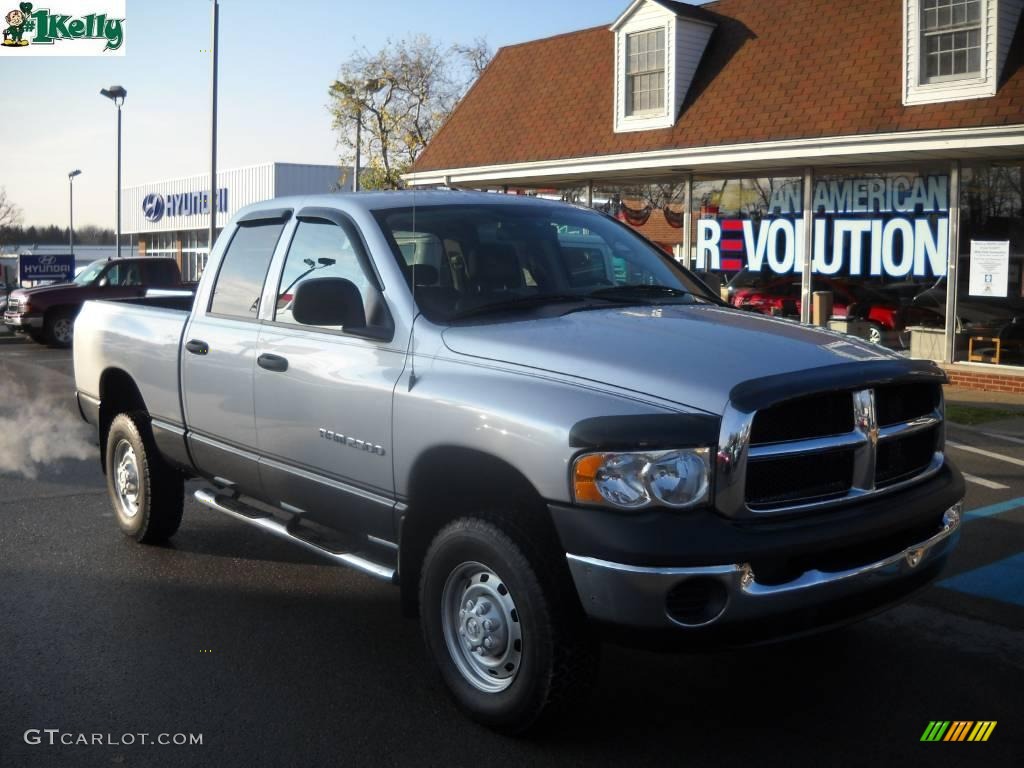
[
  {"x": 875, "y": 333},
  {"x": 59, "y": 328},
  {"x": 147, "y": 494},
  {"x": 543, "y": 656}
]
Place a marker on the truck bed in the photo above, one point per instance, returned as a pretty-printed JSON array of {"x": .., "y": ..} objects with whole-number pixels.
[{"x": 143, "y": 336}]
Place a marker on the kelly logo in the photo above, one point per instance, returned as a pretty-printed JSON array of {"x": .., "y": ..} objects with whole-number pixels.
[{"x": 46, "y": 32}]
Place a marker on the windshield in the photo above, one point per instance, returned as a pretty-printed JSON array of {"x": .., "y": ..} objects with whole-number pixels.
[
  {"x": 90, "y": 273},
  {"x": 469, "y": 260}
]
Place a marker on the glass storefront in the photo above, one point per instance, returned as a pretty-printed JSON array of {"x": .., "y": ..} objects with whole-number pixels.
[
  {"x": 880, "y": 240},
  {"x": 989, "y": 323}
]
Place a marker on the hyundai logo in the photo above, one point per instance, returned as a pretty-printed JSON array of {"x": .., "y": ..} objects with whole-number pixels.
[{"x": 153, "y": 206}]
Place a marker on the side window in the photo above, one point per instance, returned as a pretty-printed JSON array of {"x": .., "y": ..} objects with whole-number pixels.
[
  {"x": 161, "y": 273},
  {"x": 319, "y": 249},
  {"x": 112, "y": 276},
  {"x": 243, "y": 270}
]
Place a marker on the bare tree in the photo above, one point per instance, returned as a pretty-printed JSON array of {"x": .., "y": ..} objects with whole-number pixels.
[
  {"x": 10, "y": 214},
  {"x": 399, "y": 96},
  {"x": 477, "y": 55}
]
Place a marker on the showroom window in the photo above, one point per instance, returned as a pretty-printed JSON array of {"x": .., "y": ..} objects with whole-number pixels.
[{"x": 989, "y": 323}]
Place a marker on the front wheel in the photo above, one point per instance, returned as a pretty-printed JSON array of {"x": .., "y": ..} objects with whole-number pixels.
[
  {"x": 510, "y": 641},
  {"x": 59, "y": 328},
  {"x": 148, "y": 495}
]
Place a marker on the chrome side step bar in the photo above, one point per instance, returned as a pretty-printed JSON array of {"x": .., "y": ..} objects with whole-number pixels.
[{"x": 232, "y": 507}]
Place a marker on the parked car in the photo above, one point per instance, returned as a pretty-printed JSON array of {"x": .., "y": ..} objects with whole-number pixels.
[
  {"x": 538, "y": 436},
  {"x": 886, "y": 315},
  {"x": 47, "y": 313}
]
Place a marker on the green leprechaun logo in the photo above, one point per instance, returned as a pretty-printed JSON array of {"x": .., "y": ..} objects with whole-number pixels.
[{"x": 18, "y": 24}]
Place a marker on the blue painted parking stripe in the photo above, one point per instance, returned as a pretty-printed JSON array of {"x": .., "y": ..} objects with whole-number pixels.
[
  {"x": 995, "y": 509},
  {"x": 1000, "y": 580}
]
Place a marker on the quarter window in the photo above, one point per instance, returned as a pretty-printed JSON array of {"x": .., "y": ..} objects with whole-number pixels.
[
  {"x": 243, "y": 270},
  {"x": 319, "y": 249},
  {"x": 951, "y": 39},
  {"x": 645, "y": 71}
]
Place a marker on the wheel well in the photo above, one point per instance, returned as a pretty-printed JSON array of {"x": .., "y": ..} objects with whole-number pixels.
[
  {"x": 118, "y": 394},
  {"x": 71, "y": 309},
  {"x": 448, "y": 483}
]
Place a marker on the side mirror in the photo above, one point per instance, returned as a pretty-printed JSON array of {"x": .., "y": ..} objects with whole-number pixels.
[{"x": 329, "y": 301}]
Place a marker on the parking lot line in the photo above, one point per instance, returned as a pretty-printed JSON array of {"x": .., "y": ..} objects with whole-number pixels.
[
  {"x": 999, "y": 581},
  {"x": 983, "y": 452},
  {"x": 995, "y": 509},
  {"x": 984, "y": 483}
]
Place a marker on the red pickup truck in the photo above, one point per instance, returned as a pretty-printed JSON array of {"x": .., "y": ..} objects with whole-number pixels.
[{"x": 47, "y": 314}]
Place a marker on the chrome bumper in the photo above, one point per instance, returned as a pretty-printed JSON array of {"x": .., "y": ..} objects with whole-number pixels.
[
  {"x": 636, "y": 596},
  {"x": 13, "y": 320}
]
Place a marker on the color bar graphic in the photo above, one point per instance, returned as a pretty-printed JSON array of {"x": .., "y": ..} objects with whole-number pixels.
[{"x": 958, "y": 730}]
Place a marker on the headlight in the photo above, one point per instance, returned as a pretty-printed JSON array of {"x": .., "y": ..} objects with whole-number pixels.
[{"x": 678, "y": 479}]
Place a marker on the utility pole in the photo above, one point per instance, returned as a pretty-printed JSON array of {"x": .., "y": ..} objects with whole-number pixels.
[{"x": 213, "y": 131}]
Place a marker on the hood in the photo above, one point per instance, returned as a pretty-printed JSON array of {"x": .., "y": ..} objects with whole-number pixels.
[
  {"x": 692, "y": 355},
  {"x": 21, "y": 293}
]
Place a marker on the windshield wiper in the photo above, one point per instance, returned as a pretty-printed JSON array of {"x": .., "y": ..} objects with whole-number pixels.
[
  {"x": 642, "y": 290},
  {"x": 527, "y": 302}
]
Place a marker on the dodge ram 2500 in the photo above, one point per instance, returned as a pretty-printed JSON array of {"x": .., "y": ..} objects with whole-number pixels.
[{"x": 532, "y": 421}]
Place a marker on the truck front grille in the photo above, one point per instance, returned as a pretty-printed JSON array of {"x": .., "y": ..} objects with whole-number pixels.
[{"x": 821, "y": 449}]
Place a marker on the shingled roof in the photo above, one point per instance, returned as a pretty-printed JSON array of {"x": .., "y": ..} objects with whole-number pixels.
[{"x": 791, "y": 69}]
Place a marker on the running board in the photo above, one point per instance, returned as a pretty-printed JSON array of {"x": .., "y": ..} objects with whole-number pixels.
[{"x": 233, "y": 508}]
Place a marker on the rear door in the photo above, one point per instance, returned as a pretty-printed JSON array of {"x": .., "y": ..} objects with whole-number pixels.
[
  {"x": 219, "y": 355},
  {"x": 323, "y": 409}
]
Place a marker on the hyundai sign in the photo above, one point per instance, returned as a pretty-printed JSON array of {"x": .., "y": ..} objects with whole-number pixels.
[
  {"x": 46, "y": 266},
  {"x": 155, "y": 206}
]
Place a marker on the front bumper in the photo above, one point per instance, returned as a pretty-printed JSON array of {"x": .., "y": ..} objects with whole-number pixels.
[
  {"x": 22, "y": 322},
  {"x": 702, "y": 577},
  {"x": 724, "y": 595}
]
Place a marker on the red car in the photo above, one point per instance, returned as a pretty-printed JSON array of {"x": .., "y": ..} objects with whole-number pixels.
[{"x": 782, "y": 297}]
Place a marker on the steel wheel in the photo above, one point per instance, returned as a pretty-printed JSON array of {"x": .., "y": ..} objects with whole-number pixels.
[
  {"x": 481, "y": 627},
  {"x": 63, "y": 330},
  {"x": 126, "y": 481}
]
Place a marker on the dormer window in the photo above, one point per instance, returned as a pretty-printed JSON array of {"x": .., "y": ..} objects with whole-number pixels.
[
  {"x": 658, "y": 46},
  {"x": 955, "y": 49},
  {"x": 951, "y": 39},
  {"x": 645, "y": 71}
]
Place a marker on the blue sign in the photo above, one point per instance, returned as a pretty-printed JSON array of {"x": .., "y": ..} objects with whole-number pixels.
[
  {"x": 153, "y": 207},
  {"x": 46, "y": 266}
]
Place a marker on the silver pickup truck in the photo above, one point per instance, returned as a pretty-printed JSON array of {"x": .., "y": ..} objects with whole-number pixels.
[{"x": 532, "y": 421}]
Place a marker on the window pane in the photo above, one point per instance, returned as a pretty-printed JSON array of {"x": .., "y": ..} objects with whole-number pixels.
[
  {"x": 240, "y": 280},
  {"x": 319, "y": 249}
]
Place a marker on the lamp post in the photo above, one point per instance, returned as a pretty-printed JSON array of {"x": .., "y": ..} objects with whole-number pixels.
[
  {"x": 116, "y": 94},
  {"x": 215, "y": 23},
  {"x": 71, "y": 209}
]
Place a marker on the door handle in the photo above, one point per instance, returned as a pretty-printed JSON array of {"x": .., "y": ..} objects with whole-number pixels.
[
  {"x": 272, "y": 363},
  {"x": 197, "y": 347}
]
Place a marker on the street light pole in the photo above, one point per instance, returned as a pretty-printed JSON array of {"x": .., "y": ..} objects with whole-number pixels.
[
  {"x": 71, "y": 209},
  {"x": 117, "y": 94},
  {"x": 213, "y": 131}
]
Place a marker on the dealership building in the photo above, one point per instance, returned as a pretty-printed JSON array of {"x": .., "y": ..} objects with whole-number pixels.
[
  {"x": 172, "y": 218},
  {"x": 887, "y": 134}
]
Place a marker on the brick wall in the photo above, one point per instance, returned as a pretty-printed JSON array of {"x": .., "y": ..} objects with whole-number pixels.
[{"x": 985, "y": 381}]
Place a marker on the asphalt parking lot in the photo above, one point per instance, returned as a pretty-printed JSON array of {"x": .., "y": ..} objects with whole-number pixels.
[{"x": 277, "y": 659}]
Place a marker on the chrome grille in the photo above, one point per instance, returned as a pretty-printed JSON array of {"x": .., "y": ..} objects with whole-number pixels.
[
  {"x": 13, "y": 305},
  {"x": 822, "y": 449}
]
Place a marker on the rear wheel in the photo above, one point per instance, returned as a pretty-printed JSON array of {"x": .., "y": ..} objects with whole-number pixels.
[
  {"x": 509, "y": 639},
  {"x": 147, "y": 494},
  {"x": 59, "y": 328}
]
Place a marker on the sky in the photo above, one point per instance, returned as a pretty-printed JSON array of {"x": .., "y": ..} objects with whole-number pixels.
[{"x": 277, "y": 60}]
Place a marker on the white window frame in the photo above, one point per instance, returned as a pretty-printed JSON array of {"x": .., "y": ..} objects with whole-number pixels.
[
  {"x": 628, "y": 91},
  {"x": 968, "y": 27},
  {"x": 918, "y": 88}
]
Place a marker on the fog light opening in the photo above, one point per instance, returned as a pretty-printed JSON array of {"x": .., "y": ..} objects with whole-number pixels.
[{"x": 696, "y": 602}]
